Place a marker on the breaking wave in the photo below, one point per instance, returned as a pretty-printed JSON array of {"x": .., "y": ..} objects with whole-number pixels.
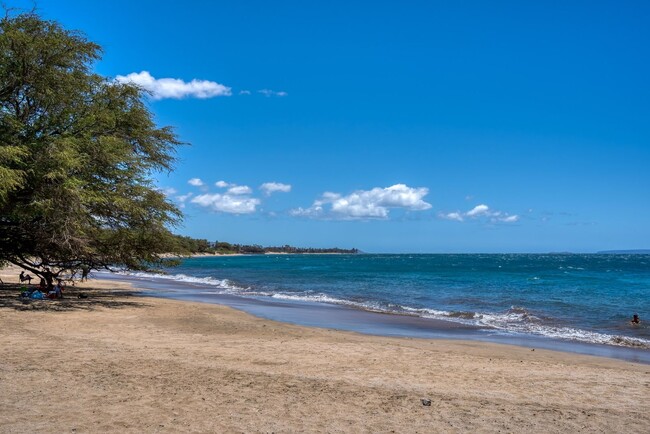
[{"x": 515, "y": 320}]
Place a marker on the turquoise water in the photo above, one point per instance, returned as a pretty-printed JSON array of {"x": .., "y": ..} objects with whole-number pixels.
[{"x": 586, "y": 298}]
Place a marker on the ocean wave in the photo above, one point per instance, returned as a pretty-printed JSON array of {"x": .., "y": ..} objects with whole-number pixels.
[
  {"x": 316, "y": 298},
  {"x": 376, "y": 306},
  {"x": 224, "y": 284},
  {"x": 517, "y": 319},
  {"x": 455, "y": 316}
]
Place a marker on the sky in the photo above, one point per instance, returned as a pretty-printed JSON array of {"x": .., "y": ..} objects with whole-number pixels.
[{"x": 424, "y": 127}]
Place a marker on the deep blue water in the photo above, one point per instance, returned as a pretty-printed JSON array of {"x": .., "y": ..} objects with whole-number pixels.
[{"x": 587, "y": 298}]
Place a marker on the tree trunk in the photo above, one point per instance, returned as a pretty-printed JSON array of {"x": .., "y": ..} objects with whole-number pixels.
[{"x": 49, "y": 278}]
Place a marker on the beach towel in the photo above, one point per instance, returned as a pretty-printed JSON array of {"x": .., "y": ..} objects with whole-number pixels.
[{"x": 37, "y": 295}]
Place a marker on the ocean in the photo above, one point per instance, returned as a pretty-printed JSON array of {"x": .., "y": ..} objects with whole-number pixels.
[{"x": 586, "y": 299}]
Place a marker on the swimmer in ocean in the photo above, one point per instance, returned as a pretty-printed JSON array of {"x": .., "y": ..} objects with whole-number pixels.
[{"x": 635, "y": 319}]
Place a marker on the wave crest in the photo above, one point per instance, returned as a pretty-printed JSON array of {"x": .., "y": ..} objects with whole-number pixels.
[{"x": 517, "y": 319}]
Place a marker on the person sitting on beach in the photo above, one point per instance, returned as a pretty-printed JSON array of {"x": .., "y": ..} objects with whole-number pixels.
[
  {"x": 58, "y": 289},
  {"x": 24, "y": 277},
  {"x": 635, "y": 319}
]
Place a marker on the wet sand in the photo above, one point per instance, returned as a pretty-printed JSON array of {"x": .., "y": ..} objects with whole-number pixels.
[
  {"x": 113, "y": 362},
  {"x": 341, "y": 317}
]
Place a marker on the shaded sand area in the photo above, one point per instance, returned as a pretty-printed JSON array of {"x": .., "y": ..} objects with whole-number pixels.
[{"x": 113, "y": 362}]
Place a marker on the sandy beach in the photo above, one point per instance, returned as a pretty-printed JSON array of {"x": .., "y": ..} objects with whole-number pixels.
[{"x": 114, "y": 362}]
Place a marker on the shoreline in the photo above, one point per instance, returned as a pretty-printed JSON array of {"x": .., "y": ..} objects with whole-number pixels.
[
  {"x": 369, "y": 322},
  {"x": 133, "y": 364},
  {"x": 354, "y": 319}
]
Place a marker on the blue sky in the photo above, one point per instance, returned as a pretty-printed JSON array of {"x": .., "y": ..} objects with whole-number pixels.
[{"x": 417, "y": 127}]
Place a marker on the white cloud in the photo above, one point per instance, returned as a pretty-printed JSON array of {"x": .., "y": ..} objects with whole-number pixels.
[
  {"x": 244, "y": 92},
  {"x": 456, "y": 216},
  {"x": 234, "y": 189},
  {"x": 509, "y": 219},
  {"x": 271, "y": 187},
  {"x": 366, "y": 204},
  {"x": 239, "y": 190},
  {"x": 167, "y": 191},
  {"x": 182, "y": 198},
  {"x": 196, "y": 182},
  {"x": 313, "y": 211},
  {"x": 269, "y": 92},
  {"x": 162, "y": 88},
  {"x": 483, "y": 212},
  {"x": 231, "y": 204},
  {"x": 235, "y": 200},
  {"x": 478, "y": 210}
]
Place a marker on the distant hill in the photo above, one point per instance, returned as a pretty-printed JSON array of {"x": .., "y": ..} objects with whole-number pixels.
[{"x": 625, "y": 252}]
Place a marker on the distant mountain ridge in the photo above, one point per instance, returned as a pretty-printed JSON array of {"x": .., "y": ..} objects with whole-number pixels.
[{"x": 626, "y": 252}]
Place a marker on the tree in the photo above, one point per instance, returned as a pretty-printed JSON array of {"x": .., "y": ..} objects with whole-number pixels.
[{"x": 77, "y": 153}]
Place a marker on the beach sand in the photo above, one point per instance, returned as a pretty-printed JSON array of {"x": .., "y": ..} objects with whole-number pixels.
[{"x": 113, "y": 362}]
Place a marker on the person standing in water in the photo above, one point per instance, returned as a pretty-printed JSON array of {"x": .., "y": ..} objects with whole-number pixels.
[{"x": 635, "y": 319}]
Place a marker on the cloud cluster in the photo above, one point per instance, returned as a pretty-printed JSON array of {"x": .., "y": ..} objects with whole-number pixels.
[
  {"x": 162, "y": 88},
  {"x": 375, "y": 203},
  {"x": 237, "y": 199},
  {"x": 480, "y": 211},
  {"x": 231, "y": 204},
  {"x": 366, "y": 204}
]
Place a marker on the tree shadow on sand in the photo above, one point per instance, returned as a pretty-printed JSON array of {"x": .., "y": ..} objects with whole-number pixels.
[{"x": 74, "y": 299}]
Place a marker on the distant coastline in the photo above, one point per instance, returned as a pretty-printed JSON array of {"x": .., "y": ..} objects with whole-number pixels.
[
  {"x": 208, "y": 254},
  {"x": 202, "y": 247},
  {"x": 625, "y": 252}
]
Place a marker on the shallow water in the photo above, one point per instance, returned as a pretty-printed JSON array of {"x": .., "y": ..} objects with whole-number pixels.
[{"x": 578, "y": 298}]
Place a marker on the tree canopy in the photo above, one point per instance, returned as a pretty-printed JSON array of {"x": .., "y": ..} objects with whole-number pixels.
[
  {"x": 198, "y": 245},
  {"x": 77, "y": 156}
]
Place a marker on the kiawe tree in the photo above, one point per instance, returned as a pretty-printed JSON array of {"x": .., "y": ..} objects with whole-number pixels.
[{"x": 77, "y": 156}]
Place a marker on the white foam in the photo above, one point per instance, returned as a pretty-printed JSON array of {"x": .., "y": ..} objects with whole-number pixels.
[
  {"x": 519, "y": 320},
  {"x": 458, "y": 317},
  {"x": 317, "y": 298},
  {"x": 224, "y": 284},
  {"x": 522, "y": 323},
  {"x": 515, "y": 320}
]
